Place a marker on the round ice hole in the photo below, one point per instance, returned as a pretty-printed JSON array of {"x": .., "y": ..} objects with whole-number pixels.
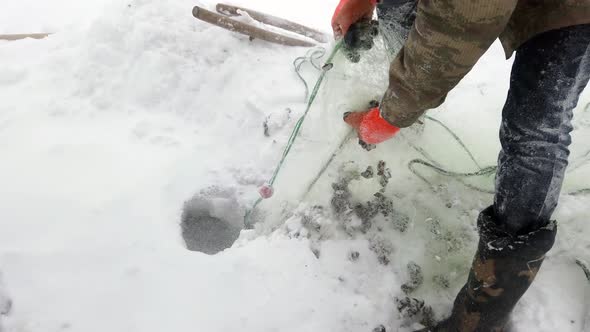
[{"x": 211, "y": 220}]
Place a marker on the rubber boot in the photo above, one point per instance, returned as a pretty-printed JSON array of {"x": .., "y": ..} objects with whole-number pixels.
[{"x": 504, "y": 267}]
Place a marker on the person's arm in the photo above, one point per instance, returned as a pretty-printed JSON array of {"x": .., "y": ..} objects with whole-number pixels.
[{"x": 447, "y": 39}]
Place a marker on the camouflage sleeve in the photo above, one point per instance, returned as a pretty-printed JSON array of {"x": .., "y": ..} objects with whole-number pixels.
[{"x": 447, "y": 39}]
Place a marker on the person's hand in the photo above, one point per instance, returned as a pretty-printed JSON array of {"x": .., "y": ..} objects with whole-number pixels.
[
  {"x": 349, "y": 12},
  {"x": 370, "y": 127}
]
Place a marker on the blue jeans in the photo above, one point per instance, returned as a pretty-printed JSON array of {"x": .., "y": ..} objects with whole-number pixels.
[{"x": 549, "y": 73}]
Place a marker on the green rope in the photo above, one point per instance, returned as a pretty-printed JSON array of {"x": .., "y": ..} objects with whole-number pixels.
[
  {"x": 429, "y": 162},
  {"x": 459, "y": 141},
  {"x": 584, "y": 268},
  {"x": 324, "y": 70},
  {"x": 487, "y": 171},
  {"x": 311, "y": 56}
]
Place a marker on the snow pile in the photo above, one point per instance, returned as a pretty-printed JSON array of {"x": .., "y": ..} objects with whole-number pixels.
[{"x": 134, "y": 107}]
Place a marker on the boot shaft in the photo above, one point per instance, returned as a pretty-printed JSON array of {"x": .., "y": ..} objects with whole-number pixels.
[{"x": 504, "y": 267}]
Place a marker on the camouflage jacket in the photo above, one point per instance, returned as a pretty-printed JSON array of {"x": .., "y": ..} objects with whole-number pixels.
[{"x": 449, "y": 37}]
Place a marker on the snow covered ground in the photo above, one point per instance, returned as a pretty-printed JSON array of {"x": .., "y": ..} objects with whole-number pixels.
[{"x": 132, "y": 107}]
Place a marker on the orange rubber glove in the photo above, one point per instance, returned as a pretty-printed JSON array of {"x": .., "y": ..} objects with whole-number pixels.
[
  {"x": 370, "y": 126},
  {"x": 349, "y": 12}
]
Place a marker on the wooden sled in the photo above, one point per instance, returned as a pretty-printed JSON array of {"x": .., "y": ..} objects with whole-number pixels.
[
  {"x": 223, "y": 18},
  {"x": 24, "y": 36}
]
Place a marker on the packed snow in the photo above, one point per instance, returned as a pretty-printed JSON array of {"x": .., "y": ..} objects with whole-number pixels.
[{"x": 132, "y": 108}]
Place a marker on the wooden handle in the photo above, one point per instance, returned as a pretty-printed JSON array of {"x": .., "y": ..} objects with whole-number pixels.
[
  {"x": 274, "y": 21},
  {"x": 246, "y": 29}
]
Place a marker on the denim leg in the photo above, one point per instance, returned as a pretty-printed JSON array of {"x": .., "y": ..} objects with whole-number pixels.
[{"x": 549, "y": 73}]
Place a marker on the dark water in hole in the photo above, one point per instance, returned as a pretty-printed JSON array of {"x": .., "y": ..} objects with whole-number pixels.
[
  {"x": 208, "y": 234},
  {"x": 211, "y": 221}
]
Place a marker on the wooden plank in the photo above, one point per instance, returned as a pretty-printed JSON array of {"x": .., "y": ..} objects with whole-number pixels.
[
  {"x": 274, "y": 21},
  {"x": 13, "y": 37},
  {"x": 247, "y": 29}
]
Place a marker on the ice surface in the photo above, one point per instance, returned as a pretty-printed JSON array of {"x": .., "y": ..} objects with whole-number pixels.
[{"x": 134, "y": 107}]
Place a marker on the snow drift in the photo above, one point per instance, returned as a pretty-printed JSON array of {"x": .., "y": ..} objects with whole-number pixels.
[{"x": 110, "y": 125}]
